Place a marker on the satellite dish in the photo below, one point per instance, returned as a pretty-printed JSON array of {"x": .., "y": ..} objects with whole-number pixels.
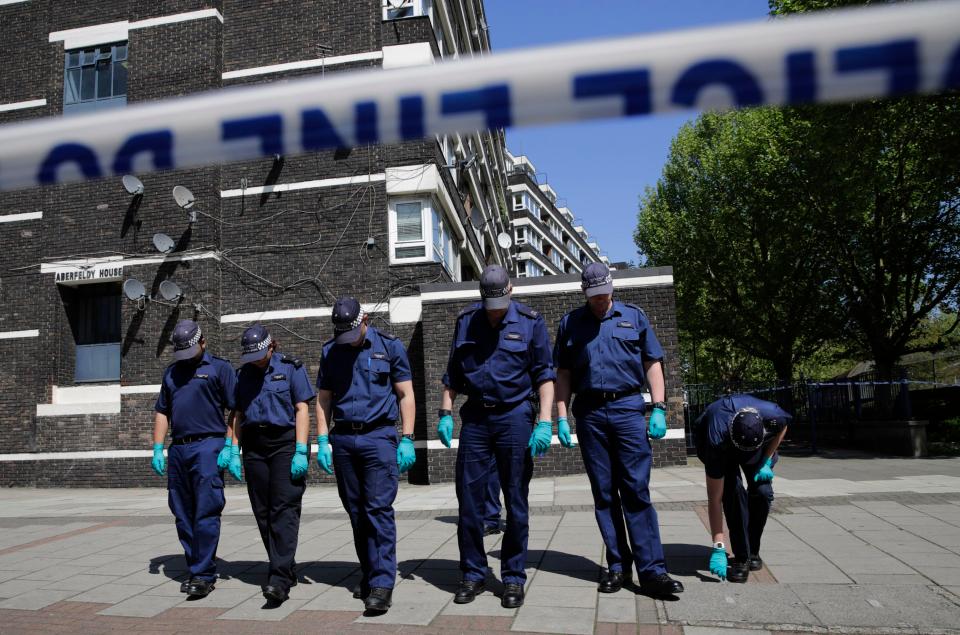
[
  {"x": 183, "y": 197},
  {"x": 132, "y": 185},
  {"x": 163, "y": 243},
  {"x": 476, "y": 219},
  {"x": 134, "y": 289},
  {"x": 170, "y": 291},
  {"x": 504, "y": 240}
]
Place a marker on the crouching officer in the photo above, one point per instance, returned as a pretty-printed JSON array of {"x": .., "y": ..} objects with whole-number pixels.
[
  {"x": 364, "y": 383},
  {"x": 605, "y": 352},
  {"x": 734, "y": 433},
  {"x": 194, "y": 392},
  {"x": 499, "y": 356},
  {"x": 272, "y": 423}
]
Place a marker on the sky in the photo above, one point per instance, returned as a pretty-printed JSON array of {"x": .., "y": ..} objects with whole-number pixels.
[{"x": 600, "y": 168}]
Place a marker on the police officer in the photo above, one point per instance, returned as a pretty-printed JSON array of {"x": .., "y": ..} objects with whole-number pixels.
[
  {"x": 500, "y": 359},
  {"x": 605, "y": 352},
  {"x": 364, "y": 383},
  {"x": 272, "y": 423},
  {"x": 195, "y": 390},
  {"x": 734, "y": 433}
]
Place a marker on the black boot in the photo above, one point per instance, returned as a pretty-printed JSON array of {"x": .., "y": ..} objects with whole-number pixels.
[
  {"x": 612, "y": 581},
  {"x": 661, "y": 586},
  {"x": 469, "y": 589},
  {"x": 379, "y": 600},
  {"x": 512, "y": 596}
]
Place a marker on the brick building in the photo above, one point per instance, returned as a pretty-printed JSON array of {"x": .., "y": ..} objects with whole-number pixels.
[{"x": 272, "y": 241}]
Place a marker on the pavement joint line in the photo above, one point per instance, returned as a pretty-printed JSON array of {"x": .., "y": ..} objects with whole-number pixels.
[
  {"x": 809, "y": 628},
  {"x": 69, "y": 534}
]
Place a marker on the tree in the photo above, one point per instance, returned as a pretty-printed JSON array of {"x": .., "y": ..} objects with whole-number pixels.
[
  {"x": 727, "y": 216},
  {"x": 884, "y": 180}
]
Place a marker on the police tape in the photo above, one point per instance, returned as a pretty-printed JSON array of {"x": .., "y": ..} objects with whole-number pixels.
[{"x": 837, "y": 56}]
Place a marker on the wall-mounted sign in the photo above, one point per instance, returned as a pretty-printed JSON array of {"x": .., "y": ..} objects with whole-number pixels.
[{"x": 90, "y": 274}]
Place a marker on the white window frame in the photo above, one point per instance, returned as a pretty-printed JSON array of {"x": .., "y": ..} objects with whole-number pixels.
[
  {"x": 521, "y": 268},
  {"x": 426, "y": 235},
  {"x": 419, "y": 7},
  {"x": 520, "y": 235}
]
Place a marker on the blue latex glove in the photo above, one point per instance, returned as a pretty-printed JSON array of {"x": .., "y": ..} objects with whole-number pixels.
[
  {"x": 299, "y": 465},
  {"x": 563, "y": 432},
  {"x": 159, "y": 462},
  {"x": 235, "y": 468},
  {"x": 765, "y": 474},
  {"x": 324, "y": 454},
  {"x": 406, "y": 456},
  {"x": 540, "y": 439},
  {"x": 445, "y": 429},
  {"x": 223, "y": 459},
  {"x": 657, "y": 425},
  {"x": 718, "y": 563}
]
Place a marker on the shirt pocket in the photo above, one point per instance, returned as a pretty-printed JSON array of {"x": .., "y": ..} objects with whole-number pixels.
[
  {"x": 628, "y": 338},
  {"x": 513, "y": 354},
  {"x": 465, "y": 354},
  {"x": 380, "y": 371}
]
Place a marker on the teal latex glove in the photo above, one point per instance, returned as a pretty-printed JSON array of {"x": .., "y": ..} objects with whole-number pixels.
[
  {"x": 765, "y": 474},
  {"x": 223, "y": 459},
  {"x": 299, "y": 465},
  {"x": 235, "y": 468},
  {"x": 657, "y": 426},
  {"x": 406, "y": 456},
  {"x": 159, "y": 462},
  {"x": 718, "y": 563},
  {"x": 563, "y": 431},
  {"x": 540, "y": 439},
  {"x": 445, "y": 429},
  {"x": 324, "y": 454}
]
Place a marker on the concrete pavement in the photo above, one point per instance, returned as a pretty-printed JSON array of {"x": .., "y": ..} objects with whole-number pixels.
[{"x": 855, "y": 545}]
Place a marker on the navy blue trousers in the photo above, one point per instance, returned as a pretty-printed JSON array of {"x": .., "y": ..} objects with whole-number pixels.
[
  {"x": 501, "y": 438},
  {"x": 195, "y": 496},
  {"x": 617, "y": 457},
  {"x": 746, "y": 509},
  {"x": 491, "y": 518},
  {"x": 368, "y": 479},
  {"x": 276, "y": 499}
]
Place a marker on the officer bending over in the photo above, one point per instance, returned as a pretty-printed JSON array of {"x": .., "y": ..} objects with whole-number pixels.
[{"x": 739, "y": 432}]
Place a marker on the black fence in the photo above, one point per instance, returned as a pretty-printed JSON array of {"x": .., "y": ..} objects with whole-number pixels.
[{"x": 824, "y": 408}]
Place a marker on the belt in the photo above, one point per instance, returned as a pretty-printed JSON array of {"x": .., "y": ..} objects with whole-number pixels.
[
  {"x": 611, "y": 395},
  {"x": 191, "y": 438},
  {"x": 475, "y": 403},
  {"x": 360, "y": 427},
  {"x": 266, "y": 427}
]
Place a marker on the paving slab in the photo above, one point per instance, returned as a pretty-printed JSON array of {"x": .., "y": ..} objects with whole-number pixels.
[
  {"x": 545, "y": 619},
  {"x": 36, "y": 599},
  {"x": 109, "y": 593},
  {"x": 743, "y": 603},
  {"x": 618, "y": 608},
  {"x": 258, "y": 609},
  {"x": 878, "y": 606},
  {"x": 143, "y": 605},
  {"x": 485, "y": 604}
]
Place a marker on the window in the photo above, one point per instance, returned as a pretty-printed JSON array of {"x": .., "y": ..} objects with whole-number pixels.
[
  {"x": 93, "y": 311},
  {"x": 521, "y": 235},
  {"x": 533, "y": 269},
  {"x": 95, "y": 78},
  {"x": 398, "y": 9},
  {"x": 411, "y": 222},
  {"x": 522, "y": 269},
  {"x": 517, "y": 202},
  {"x": 445, "y": 248}
]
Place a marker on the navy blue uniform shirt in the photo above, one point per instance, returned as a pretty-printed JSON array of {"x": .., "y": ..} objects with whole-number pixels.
[
  {"x": 193, "y": 395},
  {"x": 268, "y": 395},
  {"x": 713, "y": 426},
  {"x": 606, "y": 354},
  {"x": 361, "y": 378},
  {"x": 501, "y": 364}
]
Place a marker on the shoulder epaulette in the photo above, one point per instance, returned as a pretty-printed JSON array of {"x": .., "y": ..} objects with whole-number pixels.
[
  {"x": 473, "y": 308},
  {"x": 385, "y": 335},
  {"x": 291, "y": 360},
  {"x": 226, "y": 361},
  {"x": 634, "y": 306},
  {"x": 523, "y": 309}
]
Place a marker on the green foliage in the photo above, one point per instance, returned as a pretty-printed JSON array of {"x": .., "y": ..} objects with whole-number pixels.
[{"x": 726, "y": 215}]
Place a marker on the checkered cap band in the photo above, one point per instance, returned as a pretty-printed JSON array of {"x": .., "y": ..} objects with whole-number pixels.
[
  {"x": 596, "y": 282},
  {"x": 193, "y": 341},
  {"x": 256, "y": 347},
  {"x": 343, "y": 328}
]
